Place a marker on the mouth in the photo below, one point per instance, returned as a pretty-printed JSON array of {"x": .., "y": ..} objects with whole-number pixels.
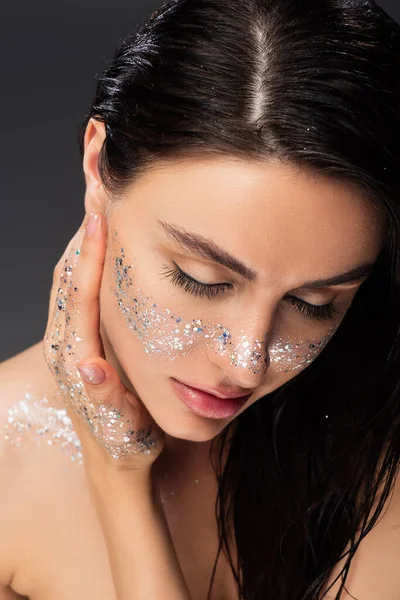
[{"x": 205, "y": 404}]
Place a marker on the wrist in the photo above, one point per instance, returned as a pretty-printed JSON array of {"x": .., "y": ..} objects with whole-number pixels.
[{"x": 109, "y": 482}]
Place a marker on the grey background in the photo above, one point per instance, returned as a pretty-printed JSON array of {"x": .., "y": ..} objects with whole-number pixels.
[{"x": 50, "y": 54}]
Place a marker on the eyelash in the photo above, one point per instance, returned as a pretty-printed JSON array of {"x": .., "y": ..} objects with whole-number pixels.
[{"x": 325, "y": 312}]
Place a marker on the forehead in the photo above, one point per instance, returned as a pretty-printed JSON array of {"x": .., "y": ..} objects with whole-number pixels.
[{"x": 264, "y": 213}]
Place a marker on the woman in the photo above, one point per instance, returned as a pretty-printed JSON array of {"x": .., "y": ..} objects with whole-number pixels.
[{"x": 241, "y": 237}]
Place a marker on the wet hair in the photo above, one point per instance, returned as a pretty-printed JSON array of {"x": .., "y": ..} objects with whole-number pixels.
[{"x": 312, "y": 83}]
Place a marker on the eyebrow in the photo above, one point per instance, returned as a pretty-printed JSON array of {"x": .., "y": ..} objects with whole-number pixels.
[{"x": 206, "y": 248}]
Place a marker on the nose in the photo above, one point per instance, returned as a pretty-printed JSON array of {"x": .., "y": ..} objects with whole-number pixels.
[{"x": 242, "y": 355}]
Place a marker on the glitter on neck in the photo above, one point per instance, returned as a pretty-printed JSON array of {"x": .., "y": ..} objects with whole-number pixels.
[{"x": 49, "y": 426}]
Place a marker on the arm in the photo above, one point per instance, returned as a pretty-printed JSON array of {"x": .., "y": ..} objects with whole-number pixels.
[
  {"x": 120, "y": 440},
  {"x": 140, "y": 549}
]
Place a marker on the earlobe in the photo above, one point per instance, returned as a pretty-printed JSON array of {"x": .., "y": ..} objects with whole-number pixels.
[{"x": 95, "y": 198}]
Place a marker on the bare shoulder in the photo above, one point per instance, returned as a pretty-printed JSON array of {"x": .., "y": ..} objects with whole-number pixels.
[
  {"x": 374, "y": 573},
  {"x": 51, "y": 543},
  {"x": 20, "y": 375}
]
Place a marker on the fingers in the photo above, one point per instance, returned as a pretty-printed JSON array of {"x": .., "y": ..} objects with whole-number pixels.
[
  {"x": 59, "y": 271},
  {"x": 123, "y": 422},
  {"x": 73, "y": 350},
  {"x": 54, "y": 338},
  {"x": 85, "y": 287}
]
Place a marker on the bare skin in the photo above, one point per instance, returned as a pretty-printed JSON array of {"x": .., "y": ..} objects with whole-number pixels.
[
  {"x": 60, "y": 552},
  {"x": 54, "y": 490}
]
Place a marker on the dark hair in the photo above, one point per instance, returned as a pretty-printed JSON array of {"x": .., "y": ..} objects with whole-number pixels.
[{"x": 313, "y": 83}]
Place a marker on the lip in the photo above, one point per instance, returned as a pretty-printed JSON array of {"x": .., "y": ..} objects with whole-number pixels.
[
  {"x": 215, "y": 392},
  {"x": 208, "y": 405}
]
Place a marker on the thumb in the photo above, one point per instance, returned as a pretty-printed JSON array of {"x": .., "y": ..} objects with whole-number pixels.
[
  {"x": 102, "y": 382},
  {"x": 122, "y": 423}
]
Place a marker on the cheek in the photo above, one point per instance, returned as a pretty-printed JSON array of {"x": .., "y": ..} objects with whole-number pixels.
[
  {"x": 164, "y": 333},
  {"x": 124, "y": 350}
]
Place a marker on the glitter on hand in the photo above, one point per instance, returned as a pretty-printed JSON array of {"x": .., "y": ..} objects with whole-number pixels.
[{"x": 62, "y": 348}]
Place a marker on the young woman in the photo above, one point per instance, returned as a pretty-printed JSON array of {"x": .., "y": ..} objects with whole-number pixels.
[{"x": 213, "y": 412}]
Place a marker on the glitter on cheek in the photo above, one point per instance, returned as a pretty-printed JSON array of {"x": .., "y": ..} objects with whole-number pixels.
[
  {"x": 291, "y": 356},
  {"x": 166, "y": 334}
]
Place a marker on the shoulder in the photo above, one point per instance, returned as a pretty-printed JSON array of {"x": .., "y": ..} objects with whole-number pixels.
[
  {"x": 13, "y": 386},
  {"x": 374, "y": 573},
  {"x": 20, "y": 376},
  {"x": 48, "y": 525}
]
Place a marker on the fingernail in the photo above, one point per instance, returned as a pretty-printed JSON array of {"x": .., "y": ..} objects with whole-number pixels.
[
  {"x": 94, "y": 220},
  {"x": 92, "y": 374}
]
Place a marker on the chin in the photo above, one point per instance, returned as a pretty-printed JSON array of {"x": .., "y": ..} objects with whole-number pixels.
[
  {"x": 198, "y": 434},
  {"x": 189, "y": 426}
]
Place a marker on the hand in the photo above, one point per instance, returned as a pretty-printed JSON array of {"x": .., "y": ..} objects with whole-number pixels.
[
  {"x": 113, "y": 426},
  {"x": 119, "y": 437}
]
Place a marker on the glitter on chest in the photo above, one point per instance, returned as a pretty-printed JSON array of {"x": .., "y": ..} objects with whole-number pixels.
[{"x": 35, "y": 419}]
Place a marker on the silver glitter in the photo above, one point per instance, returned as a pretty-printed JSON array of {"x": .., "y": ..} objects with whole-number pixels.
[
  {"x": 47, "y": 425},
  {"x": 62, "y": 351},
  {"x": 156, "y": 328}
]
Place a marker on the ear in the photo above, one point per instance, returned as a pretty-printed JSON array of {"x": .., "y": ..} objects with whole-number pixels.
[{"x": 95, "y": 196}]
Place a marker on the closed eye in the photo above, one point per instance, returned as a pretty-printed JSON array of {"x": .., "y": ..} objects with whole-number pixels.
[{"x": 324, "y": 312}]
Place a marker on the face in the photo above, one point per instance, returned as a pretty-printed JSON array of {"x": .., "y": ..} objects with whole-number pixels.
[{"x": 208, "y": 281}]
